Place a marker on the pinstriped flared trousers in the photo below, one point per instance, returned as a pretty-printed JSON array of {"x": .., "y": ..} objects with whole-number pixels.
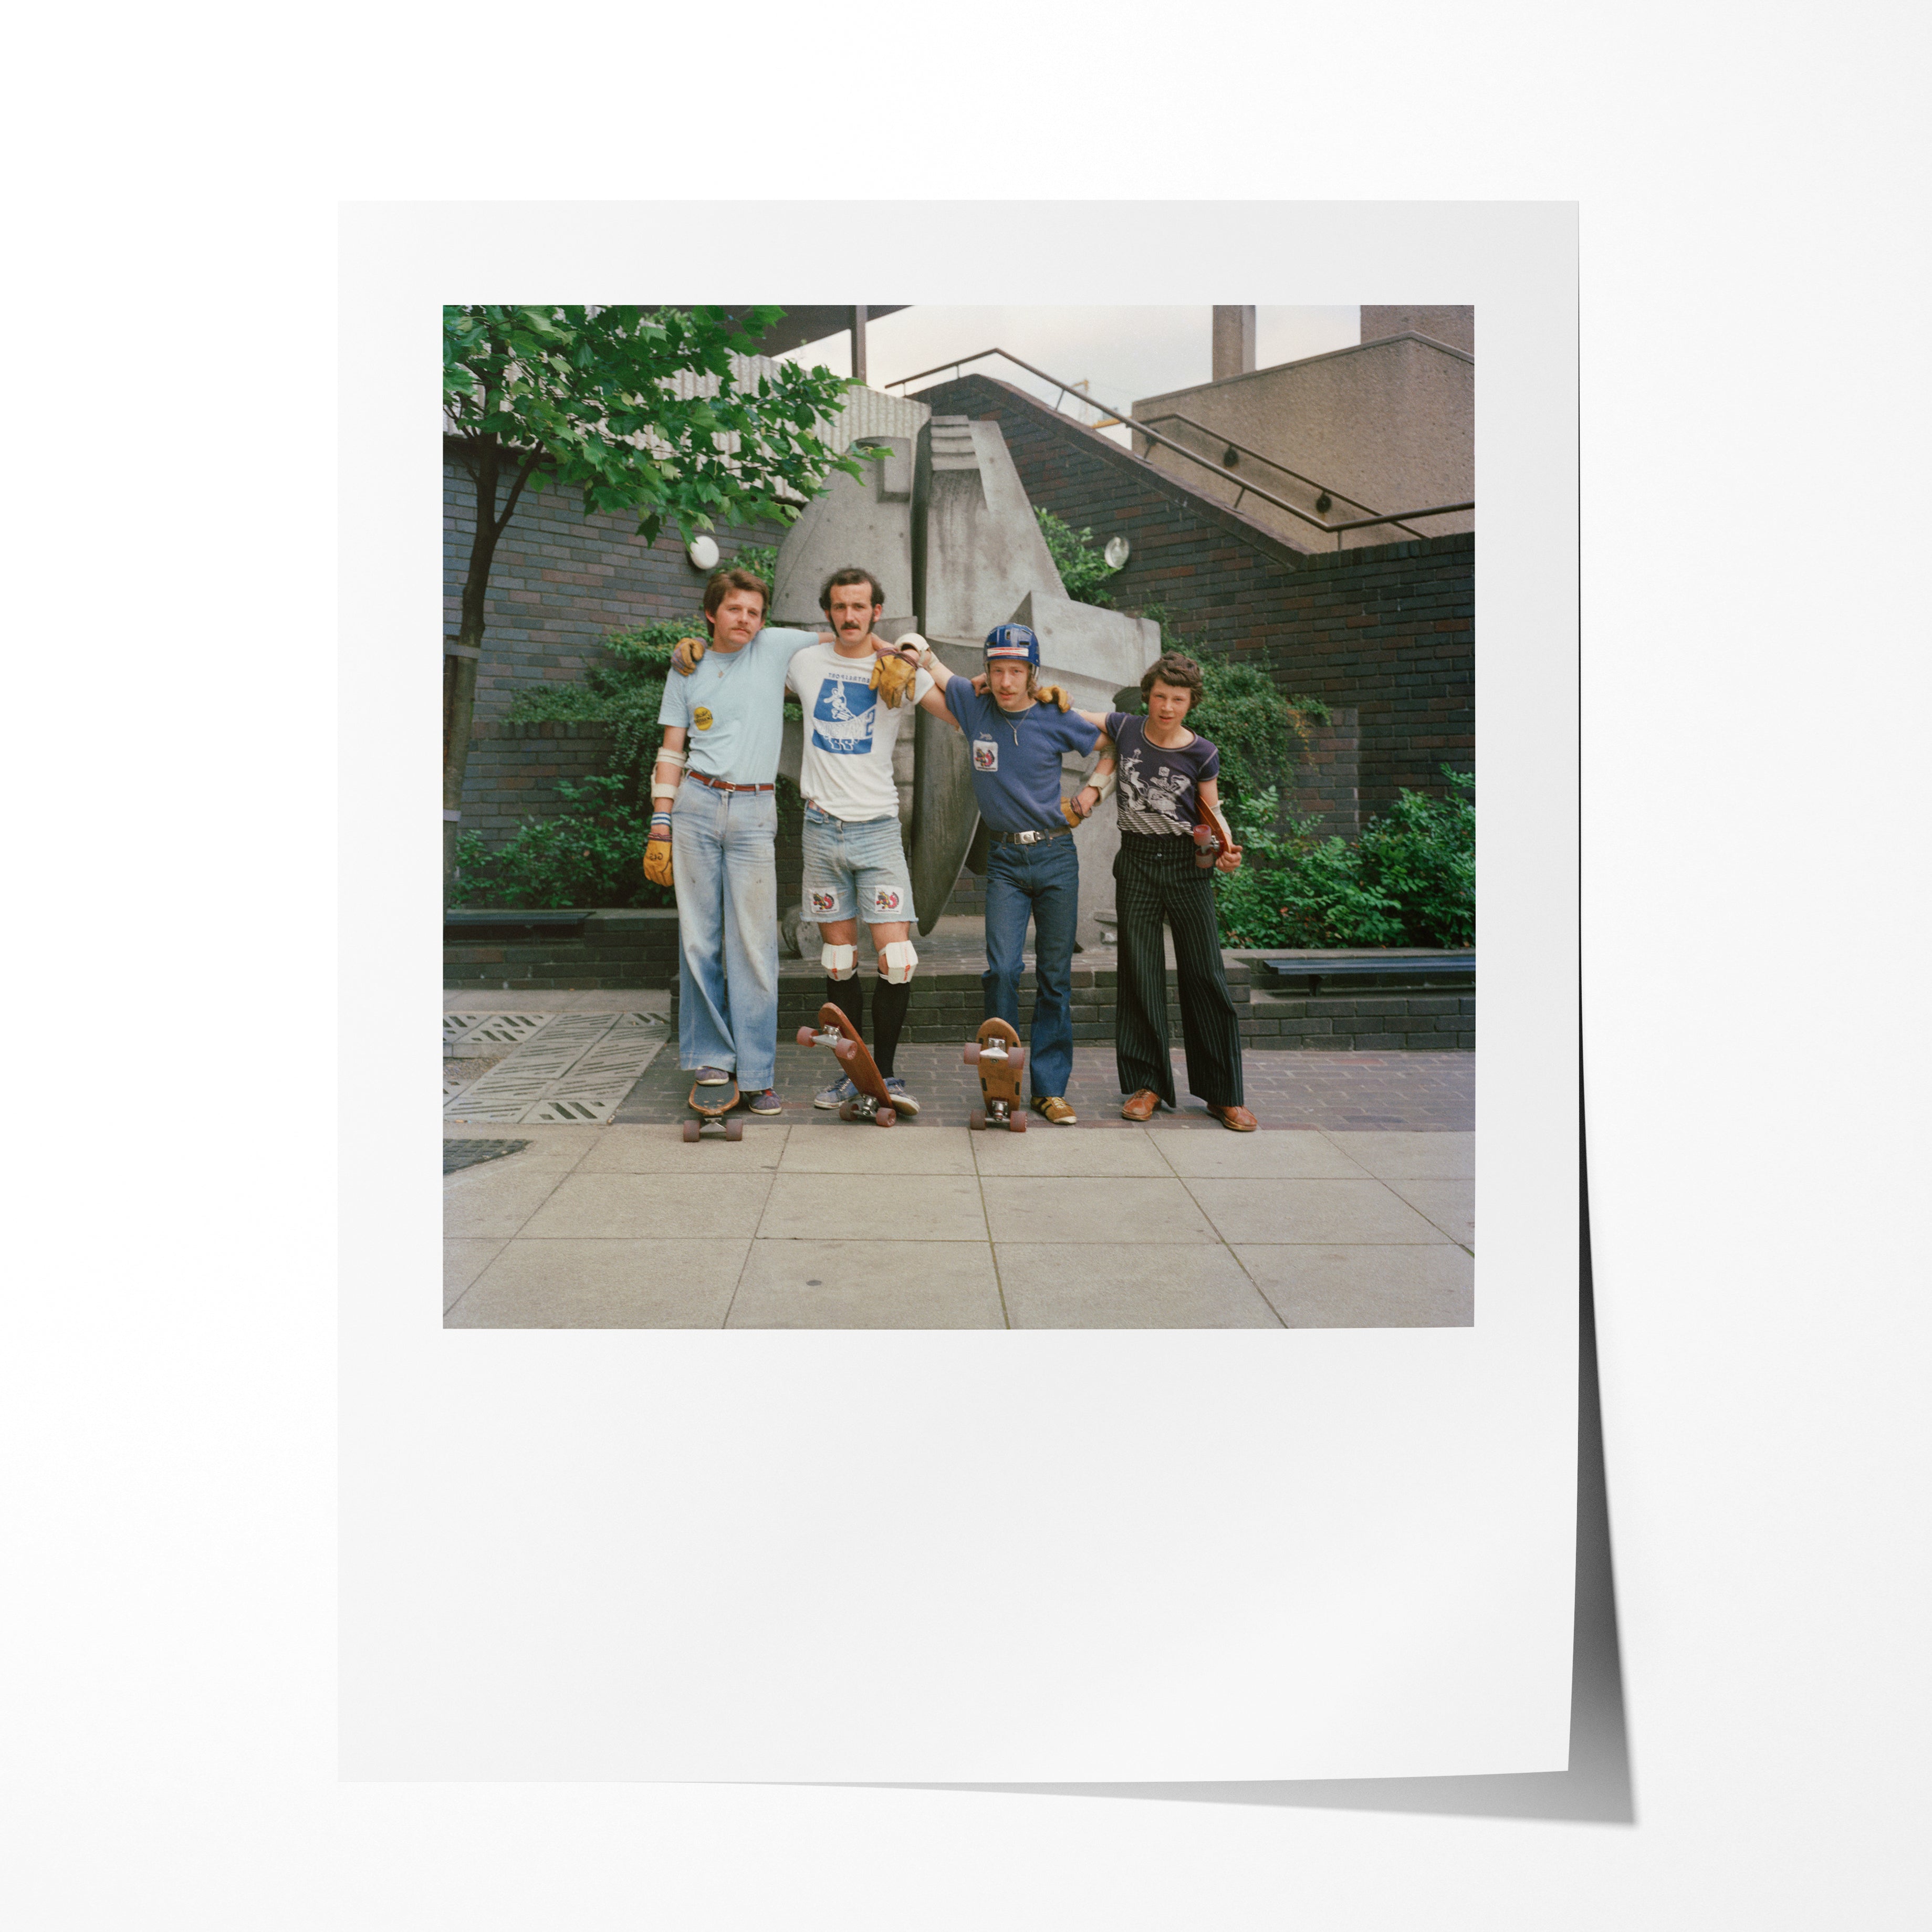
[{"x": 1156, "y": 882}]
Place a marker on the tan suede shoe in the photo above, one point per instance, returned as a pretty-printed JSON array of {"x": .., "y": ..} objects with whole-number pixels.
[
  {"x": 1236, "y": 1119},
  {"x": 1140, "y": 1106},
  {"x": 1055, "y": 1109}
]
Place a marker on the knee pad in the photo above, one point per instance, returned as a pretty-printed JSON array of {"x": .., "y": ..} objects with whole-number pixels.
[
  {"x": 899, "y": 959},
  {"x": 841, "y": 962}
]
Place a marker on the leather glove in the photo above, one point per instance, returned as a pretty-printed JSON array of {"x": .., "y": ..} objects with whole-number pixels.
[
  {"x": 657, "y": 861},
  {"x": 684, "y": 659},
  {"x": 892, "y": 678},
  {"x": 1072, "y": 816},
  {"x": 1052, "y": 693}
]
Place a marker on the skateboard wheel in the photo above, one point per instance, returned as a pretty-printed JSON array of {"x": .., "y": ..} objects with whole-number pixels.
[
  {"x": 1016, "y": 1123},
  {"x": 844, "y": 1049},
  {"x": 977, "y": 1120},
  {"x": 1015, "y": 1058},
  {"x": 690, "y": 1130},
  {"x": 885, "y": 1116},
  {"x": 734, "y": 1130},
  {"x": 847, "y": 1111},
  {"x": 806, "y": 1036},
  {"x": 972, "y": 1054}
]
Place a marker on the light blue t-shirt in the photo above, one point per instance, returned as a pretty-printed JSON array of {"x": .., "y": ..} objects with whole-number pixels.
[{"x": 733, "y": 705}]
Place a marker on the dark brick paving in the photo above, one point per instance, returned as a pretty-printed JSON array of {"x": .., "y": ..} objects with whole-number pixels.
[
  {"x": 1424, "y": 1091},
  {"x": 467, "y": 1153}
]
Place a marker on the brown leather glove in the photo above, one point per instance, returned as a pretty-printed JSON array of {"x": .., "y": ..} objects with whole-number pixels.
[
  {"x": 1052, "y": 693},
  {"x": 657, "y": 861},
  {"x": 1072, "y": 817},
  {"x": 684, "y": 659},
  {"x": 892, "y": 679}
]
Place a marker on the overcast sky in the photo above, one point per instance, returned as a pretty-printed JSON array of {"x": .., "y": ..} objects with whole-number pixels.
[{"x": 1124, "y": 353}]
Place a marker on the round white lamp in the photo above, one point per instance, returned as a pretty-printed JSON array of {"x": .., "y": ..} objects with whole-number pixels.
[
  {"x": 703, "y": 552},
  {"x": 1117, "y": 551}
]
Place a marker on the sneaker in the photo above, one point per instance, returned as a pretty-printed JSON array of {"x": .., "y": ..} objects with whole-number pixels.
[
  {"x": 766, "y": 1102},
  {"x": 713, "y": 1076},
  {"x": 836, "y": 1096},
  {"x": 1055, "y": 1109},
  {"x": 902, "y": 1102}
]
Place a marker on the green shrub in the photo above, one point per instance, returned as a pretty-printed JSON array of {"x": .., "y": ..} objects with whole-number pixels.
[
  {"x": 590, "y": 855},
  {"x": 1421, "y": 853},
  {"x": 1082, "y": 569},
  {"x": 1294, "y": 890}
]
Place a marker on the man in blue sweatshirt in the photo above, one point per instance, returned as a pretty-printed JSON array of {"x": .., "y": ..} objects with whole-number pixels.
[{"x": 1017, "y": 732}]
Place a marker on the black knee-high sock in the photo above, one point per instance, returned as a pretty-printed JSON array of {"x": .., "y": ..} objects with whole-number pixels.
[
  {"x": 849, "y": 997},
  {"x": 889, "y": 1011}
]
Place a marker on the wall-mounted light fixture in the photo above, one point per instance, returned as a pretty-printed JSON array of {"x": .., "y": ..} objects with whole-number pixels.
[
  {"x": 703, "y": 552},
  {"x": 1117, "y": 553},
  {"x": 1230, "y": 457},
  {"x": 1324, "y": 504}
]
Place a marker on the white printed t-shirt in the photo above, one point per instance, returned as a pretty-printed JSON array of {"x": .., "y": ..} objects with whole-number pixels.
[{"x": 849, "y": 734}]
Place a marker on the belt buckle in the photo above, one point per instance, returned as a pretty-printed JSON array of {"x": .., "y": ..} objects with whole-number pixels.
[{"x": 1031, "y": 837}]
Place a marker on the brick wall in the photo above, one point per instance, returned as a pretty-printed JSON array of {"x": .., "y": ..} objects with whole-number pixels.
[
  {"x": 561, "y": 582},
  {"x": 513, "y": 771},
  {"x": 1387, "y": 630}
]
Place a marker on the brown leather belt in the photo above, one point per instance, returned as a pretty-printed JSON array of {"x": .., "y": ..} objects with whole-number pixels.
[{"x": 720, "y": 784}]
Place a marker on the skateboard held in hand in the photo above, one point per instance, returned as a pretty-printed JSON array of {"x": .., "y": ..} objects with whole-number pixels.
[{"x": 996, "y": 1051}]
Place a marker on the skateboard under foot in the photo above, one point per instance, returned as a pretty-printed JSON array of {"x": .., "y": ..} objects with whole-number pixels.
[
  {"x": 873, "y": 1103},
  {"x": 996, "y": 1051},
  {"x": 711, "y": 1122}
]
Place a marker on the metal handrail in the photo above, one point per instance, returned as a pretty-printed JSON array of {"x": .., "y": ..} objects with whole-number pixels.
[{"x": 1243, "y": 488}]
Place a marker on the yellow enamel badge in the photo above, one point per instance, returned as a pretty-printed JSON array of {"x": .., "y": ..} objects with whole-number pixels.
[{"x": 701, "y": 718}]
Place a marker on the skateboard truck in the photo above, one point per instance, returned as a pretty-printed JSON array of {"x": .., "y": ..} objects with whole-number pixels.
[
  {"x": 999, "y": 1056},
  {"x": 871, "y": 1102}
]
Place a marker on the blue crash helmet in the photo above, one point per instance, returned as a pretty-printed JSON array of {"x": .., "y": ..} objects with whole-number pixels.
[{"x": 1012, "y": 641}]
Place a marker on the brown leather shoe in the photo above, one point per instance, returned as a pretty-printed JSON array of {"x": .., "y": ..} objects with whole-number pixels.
[
  {"x": 1238, "y": 1119},
  {"x": 1140, "y": 1106}
]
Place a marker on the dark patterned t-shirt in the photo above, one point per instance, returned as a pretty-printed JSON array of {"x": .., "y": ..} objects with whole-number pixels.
[{"x": 1158, "y": 783}]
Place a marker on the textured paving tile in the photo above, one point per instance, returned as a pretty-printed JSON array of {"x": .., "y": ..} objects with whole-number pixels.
[
  {"x": 1071, "y": 1209},
  {"x": 1339, "y": 1212},
  {"x": 1180, "y": 1288},
  {"x": 638, "y": 1207},
  {"x": 459, "y": 1154},
  {"x": 863, "y": 1207},
  {"x": 889, "y": 1284},
  {"x": 1365, "y": 1287},
  {"x": 604, "y": 1284}
]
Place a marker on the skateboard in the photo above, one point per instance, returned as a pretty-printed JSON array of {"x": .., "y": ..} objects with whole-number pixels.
[
  {"x": 834, "y": 1031},
  {"x": 997, "y": 1052},
  {"x": 712, "y": 1120},
  {"x": 1210, "y": 837}
]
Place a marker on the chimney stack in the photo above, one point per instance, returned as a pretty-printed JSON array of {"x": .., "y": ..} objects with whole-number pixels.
[{"x": 1234, "y": 341}]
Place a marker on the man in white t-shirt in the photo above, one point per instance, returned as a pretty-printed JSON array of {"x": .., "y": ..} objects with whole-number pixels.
[{"x": 853, "y": 692}]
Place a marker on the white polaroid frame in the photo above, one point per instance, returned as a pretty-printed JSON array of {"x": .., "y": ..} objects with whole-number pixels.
[{"x": 961, "y": 1557}]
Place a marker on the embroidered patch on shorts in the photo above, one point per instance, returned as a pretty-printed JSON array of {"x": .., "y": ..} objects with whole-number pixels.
[
  {"x": 885, "y": 899},
  {"x": 824, "y": 902},
  {"x": 701, "y": 718},
  {"x": 985, "y": 755}
]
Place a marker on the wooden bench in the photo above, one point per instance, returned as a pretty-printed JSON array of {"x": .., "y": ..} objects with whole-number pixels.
[{"x": 1440, "y": 969}]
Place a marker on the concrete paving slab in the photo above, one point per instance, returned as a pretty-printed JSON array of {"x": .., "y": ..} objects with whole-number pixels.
[
  {"x": 639, "y": 1206},
  {"x": 662, "y": 1149},
  {"x": 865, "y": 1149},
  {"x": 604, "y": 1284},
  {"x": 463, "y": 1261},
  {"x": 1365, "y": 1287},
  {"x": 1337, "y": 1213},
  {"x": 1411, "y": 1157},
  {"x": 1226, "y": 1157},
  {"x": 552, "y": 1143},
  {"x": 832, "y": 1207},
  {"x": 1075, "y": 1210},
  {"x": 1182, "y": 1288},
  {"x": 495, "y": 1201},
  {"x": 1450, "y": 1205},
  {"x": 889, "y": 1284},
  {"x": 1045, "y": 1149}
]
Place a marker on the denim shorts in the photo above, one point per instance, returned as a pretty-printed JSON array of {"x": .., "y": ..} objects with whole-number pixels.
[{"x": 855, "y": 870}]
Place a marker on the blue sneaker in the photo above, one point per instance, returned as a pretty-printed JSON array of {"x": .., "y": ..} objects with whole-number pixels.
[
  {"x": 902, "y": 1102},
  {"x": 713, "y": 1076},
  {"x": 766, "y": 1102},
  {"x": 834, "y": 1097}
]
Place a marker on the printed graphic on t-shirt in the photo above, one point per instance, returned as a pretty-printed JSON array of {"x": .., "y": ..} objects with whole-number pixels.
[
  {"x": 835, "y": 726},
  {"x": 1153, "y": 795},
  {"x": 701, "y": 718},
  {"x": 985, "y": 755}
]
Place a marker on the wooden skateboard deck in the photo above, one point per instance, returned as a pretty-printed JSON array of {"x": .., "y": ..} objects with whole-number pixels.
[
  {"x": 711, "y": 1114},
  {"x": 836, "y": 1031},
  {"x": 996, "y": 1051}
]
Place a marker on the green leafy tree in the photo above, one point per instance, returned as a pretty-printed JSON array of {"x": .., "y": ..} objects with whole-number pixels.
[{"x": 598, "y": 400}]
